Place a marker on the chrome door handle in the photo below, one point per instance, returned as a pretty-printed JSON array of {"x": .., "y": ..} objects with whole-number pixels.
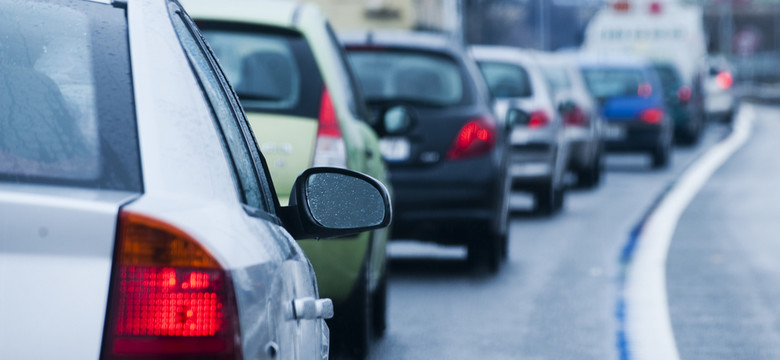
[{"x": 312, "y": 309}]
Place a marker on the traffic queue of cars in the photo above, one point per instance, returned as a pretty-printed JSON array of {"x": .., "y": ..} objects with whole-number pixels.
[{"x": 211, "y": 180}]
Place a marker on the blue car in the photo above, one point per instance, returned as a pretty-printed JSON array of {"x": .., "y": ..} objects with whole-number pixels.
[{"x": 632, "y": 103}]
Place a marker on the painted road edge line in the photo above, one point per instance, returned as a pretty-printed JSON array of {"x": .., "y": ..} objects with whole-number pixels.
[{"x": 648, "y": 324}]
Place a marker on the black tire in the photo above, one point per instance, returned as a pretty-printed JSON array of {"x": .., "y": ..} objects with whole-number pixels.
[
  {"x": 560, "y": 198},
  {"x": 379, "y": 311},
  {"x": 545, "y": 200},
  {"x": 505, "y": 247},
  {"x": 661, "y": 157},
  {"x": 351, "y": 327},
  {"x": 485, "y": 251},
  {"x": 590, "y": 177},
  {"x": 689, "y": 136}
]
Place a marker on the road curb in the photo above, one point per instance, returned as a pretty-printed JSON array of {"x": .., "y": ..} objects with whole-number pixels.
[{"x": 644, "y": 330}]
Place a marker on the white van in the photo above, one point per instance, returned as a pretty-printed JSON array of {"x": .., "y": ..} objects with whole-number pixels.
[{"x": 665, "y": 31}]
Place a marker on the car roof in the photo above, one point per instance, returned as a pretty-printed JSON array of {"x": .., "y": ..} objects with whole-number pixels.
[
  {"x": 401, "y": 38},
  {"x": 278, "y": 13},
  {"x": 504, "y": 53}
]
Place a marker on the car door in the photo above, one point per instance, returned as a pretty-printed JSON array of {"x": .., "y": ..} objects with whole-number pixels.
[{"x": 269, "y": 326}]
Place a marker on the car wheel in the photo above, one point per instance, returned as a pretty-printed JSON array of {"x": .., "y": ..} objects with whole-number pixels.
[
  {"x": 591, "y": 176},
  {"x": 560, "y": 198},
  {"x": 488, "y": 253},
  {"x": 545, "y": 200},
  {"x": 351, "y": 327},
  {"x": 661, "y": 157},
  {"x": 505, "y": 247},
  {"x": 379, "y": 312}
]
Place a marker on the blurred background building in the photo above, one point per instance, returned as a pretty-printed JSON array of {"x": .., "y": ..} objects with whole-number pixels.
[{"x": 747, "y": 32}]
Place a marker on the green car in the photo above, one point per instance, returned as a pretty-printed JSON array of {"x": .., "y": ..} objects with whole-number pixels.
[{"x": 290, "y": 74}]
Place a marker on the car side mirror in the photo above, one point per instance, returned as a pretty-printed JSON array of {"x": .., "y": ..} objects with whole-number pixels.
[
  {"x": 329, "y": 202},
  {"x": 397, "y": 120},
  {"x": 515, "y": 117}
]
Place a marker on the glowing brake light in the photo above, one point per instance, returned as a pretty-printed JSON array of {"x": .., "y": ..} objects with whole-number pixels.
[
  {"x": 684, "y": 93},
  {"x": 724, "y": 80},
  {"x": 652, "y": 116},
  {"x": 655, "y": 8},
  {"x": 645, "y": 90},
  {"x": 576, "y": 117},
  {"x": 170, "y": 299},
  {"x": 538, "y": 119},
  {"x": 621, "y": 6},
  {"x": 476, "y": 138},
  {"x": 330, "y": 149}
]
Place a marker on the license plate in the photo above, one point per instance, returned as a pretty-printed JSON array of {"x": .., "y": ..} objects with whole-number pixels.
[
  {"x": 519, "y": 136},
  {"x": 394, "y": 148},
  {"x": 614, "y": 132}
]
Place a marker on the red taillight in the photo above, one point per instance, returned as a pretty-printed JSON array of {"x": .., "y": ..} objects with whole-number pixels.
[
  {"x": 645, "y": 90},
  {"x": 538, "y": 119},
  {"x": 575, "y": 117},
  {"x": 330, "y": 149},
  {"x": 684, "y": 93},
  {"x": 724, "y": 80},
  {"x": 652, "y": 116},
  {"x": 170, "y": 298},
  {"x": 621, "y": 6},
  {"x": 655, "y": 8},
  {"x": 476, "y": 138}
]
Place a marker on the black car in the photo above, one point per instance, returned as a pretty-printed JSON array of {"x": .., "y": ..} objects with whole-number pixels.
[
  {"x": 632, "y": 103},
  {"x": 444, "y": 148},
  {"x": 683, "y": 102}
]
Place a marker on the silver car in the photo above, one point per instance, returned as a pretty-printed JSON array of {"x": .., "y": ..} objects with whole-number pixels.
[
  {"x": 581, "y": 114},
  {"x": 526, "y": 102},
  {"x": 137, "y": 216}
]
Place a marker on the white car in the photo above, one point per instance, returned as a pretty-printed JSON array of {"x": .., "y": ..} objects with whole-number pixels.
[
  {"x": 720, "y": 100},
  {"x": 538, "y": 144},
  {"x": 137, "y": 216}
]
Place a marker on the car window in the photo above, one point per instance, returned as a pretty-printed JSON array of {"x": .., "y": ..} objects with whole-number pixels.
[
  {"x": 506, "y": 80},
  {"x": 422, "y": 77},
  {"x": 607, "y": 82},
  {"x": 557, "y": 78},
  {"x": 255, "y": 190},
  {"x": 66, "y": 116},
  {"x": 272, "y": 70},
  {"x": 670, "y": 79}
]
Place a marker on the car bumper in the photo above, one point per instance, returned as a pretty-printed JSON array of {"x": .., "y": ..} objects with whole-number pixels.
[
  {"x": 445, "y": 202},
  {"x": 634, "y": 137},
  {"x": 531, "y": 164}
]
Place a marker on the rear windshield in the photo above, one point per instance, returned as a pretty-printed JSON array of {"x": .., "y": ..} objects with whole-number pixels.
[
  {"x": 66, "y": 108},
  {"x": 271, "y": 70},
  {"x": 506, "y": 80},
  {"x": 609, "y": 82},
  {"x": 421, "y": 77},
  {"x": 557, "y": 77},
  {"x": 669, "y": 78}
]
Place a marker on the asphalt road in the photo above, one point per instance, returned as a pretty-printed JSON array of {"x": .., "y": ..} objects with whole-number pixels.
[
  {"x": 555, "y": 297},
  {"x": 723, "y": 266}
]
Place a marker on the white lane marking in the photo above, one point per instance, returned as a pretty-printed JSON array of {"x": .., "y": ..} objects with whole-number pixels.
[{"x": 648, "y": 324}]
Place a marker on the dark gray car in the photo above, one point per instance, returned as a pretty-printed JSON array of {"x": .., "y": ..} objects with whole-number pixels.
[{"x": 443, "y": 146}]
